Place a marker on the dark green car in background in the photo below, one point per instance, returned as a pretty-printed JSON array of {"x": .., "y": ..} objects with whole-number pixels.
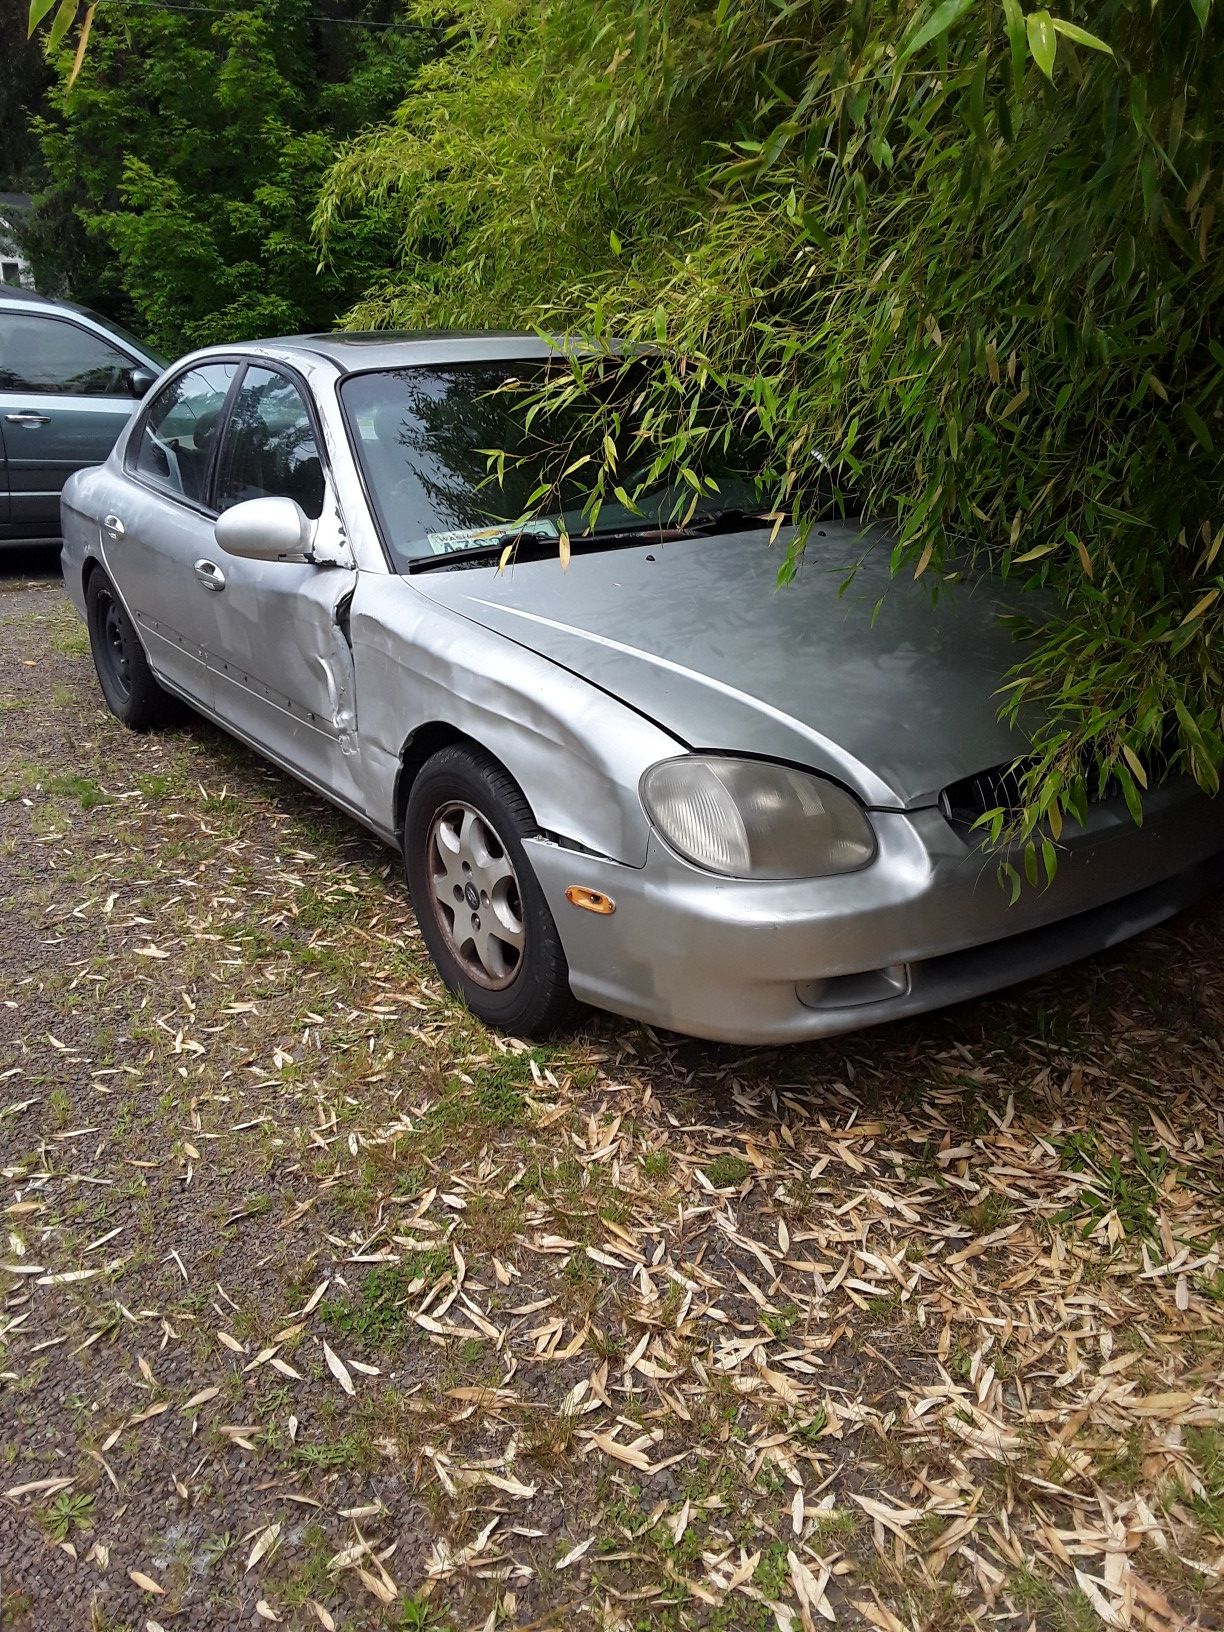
[{"x": 69, "y": 381}]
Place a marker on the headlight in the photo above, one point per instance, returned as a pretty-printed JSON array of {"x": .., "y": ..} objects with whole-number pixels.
[{"x": 750, "y": 819}]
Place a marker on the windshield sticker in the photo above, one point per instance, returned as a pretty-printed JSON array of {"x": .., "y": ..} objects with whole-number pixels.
[{"x": 461, "y": 538}]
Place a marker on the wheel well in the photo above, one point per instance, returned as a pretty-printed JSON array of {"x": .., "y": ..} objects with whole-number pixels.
[
  {"x": 92, "y": 565},
  {"x": 421, "y": 746}
]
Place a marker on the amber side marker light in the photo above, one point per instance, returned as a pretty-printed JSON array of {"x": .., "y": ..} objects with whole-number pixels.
[{"x": 590, "y": 900}]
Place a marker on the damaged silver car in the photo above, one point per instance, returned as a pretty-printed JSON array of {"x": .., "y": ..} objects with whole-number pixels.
[{"x": 652, "y": 782}]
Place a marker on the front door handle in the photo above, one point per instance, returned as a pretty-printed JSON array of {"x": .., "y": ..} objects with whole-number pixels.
[
  {"x": 28, "y": 418},
  {"x": 210, "y": 574},
  {"x": 113, "y": 525}
]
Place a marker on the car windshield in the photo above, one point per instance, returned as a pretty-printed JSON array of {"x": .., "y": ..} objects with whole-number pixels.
[
  {"x": 424, "y": 437},
  {"x": 128, "y": 338}
]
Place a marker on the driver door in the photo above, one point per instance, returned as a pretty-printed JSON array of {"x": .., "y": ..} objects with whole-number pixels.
[{"x": 283, "y": 666}]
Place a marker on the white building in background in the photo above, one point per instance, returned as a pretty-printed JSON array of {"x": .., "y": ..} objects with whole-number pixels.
[{"x": 14, "y": 268}]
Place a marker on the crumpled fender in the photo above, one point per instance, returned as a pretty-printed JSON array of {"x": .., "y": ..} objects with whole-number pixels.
[{"x": 577, "y": 753}]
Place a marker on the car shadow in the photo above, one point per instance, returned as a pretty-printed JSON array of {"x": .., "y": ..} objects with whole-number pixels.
[{"x": 26, "y": 565}]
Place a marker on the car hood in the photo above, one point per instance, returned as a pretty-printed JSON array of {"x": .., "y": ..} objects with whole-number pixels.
[{"x": 876, "y": 686}]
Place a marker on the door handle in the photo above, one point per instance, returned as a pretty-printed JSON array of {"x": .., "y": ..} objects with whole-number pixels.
[
  {"x": 113, "y": 525},
  {"x": 28, "y": 418},
  {"x": 209, "y": 574}
]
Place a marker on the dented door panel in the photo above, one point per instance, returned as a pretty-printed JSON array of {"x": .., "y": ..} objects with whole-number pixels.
[
  {"x": 575, "y": 752},
  {"x": 284, "y": 667}
]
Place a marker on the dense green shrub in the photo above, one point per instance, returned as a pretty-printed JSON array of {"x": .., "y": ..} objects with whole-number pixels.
[
  {"x": 965, "y": 253},
  {"x": 184, "y": 163}
]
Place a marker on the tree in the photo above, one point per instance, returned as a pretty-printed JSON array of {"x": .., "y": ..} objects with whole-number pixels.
[
  {"x": 24, "y": 78},
  {"x": 185, "y": 158},
  {"x": 968, "y": 254}
]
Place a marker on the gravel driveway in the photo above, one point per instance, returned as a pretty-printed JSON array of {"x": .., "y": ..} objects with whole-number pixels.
[{"x": 322, "y": 1306}]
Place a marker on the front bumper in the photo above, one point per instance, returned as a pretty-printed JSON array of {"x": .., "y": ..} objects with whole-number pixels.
[{"x": 926, "y": 924}]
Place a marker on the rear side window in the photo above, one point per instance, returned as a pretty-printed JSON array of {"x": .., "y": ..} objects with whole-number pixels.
[
  {"x": 175, "y": 439},
  {"x": 55, "y": 358},
  {"x": 269, "y": 448}
]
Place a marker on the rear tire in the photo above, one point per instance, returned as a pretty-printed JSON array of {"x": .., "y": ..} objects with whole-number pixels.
[
  {"x": 479, "y": 906},
  {"x": 128, "y": 684}
]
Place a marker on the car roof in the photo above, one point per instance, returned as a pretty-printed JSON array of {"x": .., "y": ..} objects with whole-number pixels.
[
  {"x": 13, "y": 291},
  {"x": 357, "y": 351}
]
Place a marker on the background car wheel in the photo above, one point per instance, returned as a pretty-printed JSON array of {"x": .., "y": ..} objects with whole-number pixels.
[
  {"x": 131, "y": 692},
  {"x": 481, "y": 911}
]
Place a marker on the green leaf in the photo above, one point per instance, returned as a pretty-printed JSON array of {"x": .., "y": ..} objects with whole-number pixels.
[
  {"x": 615, "y": 243},
  {"x": 1202, "y": 10},
  {"x": 1049, "y": 860},
  {"x": 1042, "y": 40},
  {"x": 1014, "y": 17},
  {"x": 1030, "y": 862},
  {"x": 939, "y": 22},
  {"x": 660, "y": 325},
  {"x": 1081, "y": 36},
  {"x": 1010, "y": 877},
  {"x": 1130, "y": 793},
  {"x": 38, "y": 10},
  {"x": 64, "y": 18},
  {"x": 975, "y": 102},
  {"x": 1195, "y": 421}
]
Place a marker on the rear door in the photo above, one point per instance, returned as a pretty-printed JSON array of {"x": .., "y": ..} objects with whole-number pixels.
[
  {"x": 160, "y": 526},
  {"x": 65, "y": 394},
  {"x": 4, "y": 484}
]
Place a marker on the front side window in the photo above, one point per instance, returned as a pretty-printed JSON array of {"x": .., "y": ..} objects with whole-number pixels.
[
  {"x": 175, "y": 440},
  {"x": 269, "y": 447},
  {"x": 51, "y": 357}
]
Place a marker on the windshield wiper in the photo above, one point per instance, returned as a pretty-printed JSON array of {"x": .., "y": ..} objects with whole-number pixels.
[
  {"x": 538, "y": 543},
  {"x": 732, "y": 519},
  {"x": 701, "y": 525},
  {"x": 535, "y": 545}
]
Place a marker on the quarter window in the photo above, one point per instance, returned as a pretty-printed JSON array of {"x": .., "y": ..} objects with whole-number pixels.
[
  {"x": 269, "y": 447},
  {"x": 50, "y": 357},
  {"x": 176, "y": 435}
]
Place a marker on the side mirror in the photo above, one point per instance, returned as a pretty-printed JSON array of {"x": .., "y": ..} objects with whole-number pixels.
[
  {"x": 270, "y": 529},
  {"x": 139, "y": 381}
]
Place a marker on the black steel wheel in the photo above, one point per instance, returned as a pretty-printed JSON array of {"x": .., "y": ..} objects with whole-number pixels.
[{"x": 128, "y": 684}]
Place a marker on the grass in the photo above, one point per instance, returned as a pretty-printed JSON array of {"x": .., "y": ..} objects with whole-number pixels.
[
  {"x": 1050, "y": 1603},
  {"x": 1206, "y": 1449},
  {"x": 417, "y": 1614},
  {"x": 1132, "y": 1188},
  {"x": 988, "y": 1213},
  {"x": 83, "y": 789},
  {"x": 727, "y": 1171},
  {"x": 70, "y": 640},
  {"x": 377, "y": 1313},
  {"x": 708, "y": 1179}
]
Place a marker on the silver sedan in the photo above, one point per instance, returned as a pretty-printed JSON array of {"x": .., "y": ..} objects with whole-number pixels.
[{"x": 650, "y": 781}]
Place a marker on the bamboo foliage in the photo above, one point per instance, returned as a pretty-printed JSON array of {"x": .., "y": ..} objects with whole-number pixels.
[{"x": 966, "y": 252}]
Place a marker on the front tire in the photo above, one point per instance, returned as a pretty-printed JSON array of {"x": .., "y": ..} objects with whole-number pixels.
[
  {"x": 128, "y": 684},
  {"x": 481, "y": 911}
]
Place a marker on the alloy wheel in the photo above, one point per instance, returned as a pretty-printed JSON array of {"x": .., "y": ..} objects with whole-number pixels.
[{"x": 475, "y": 895}]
